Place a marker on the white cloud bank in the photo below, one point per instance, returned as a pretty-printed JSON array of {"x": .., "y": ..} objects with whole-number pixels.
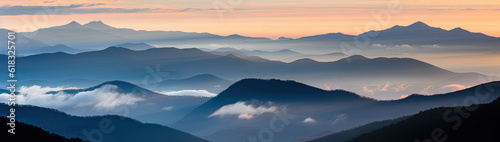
[
  {"x": 309, "y": 120},
  {"x": 196, "y": 93},
  {"x": 403, "y": 46},
  {"x": 103, "y": 98},
  {"x": 243, "y": 111},
  {"x": 388, "y": 87},
  {"x": 169, "y": 108}
]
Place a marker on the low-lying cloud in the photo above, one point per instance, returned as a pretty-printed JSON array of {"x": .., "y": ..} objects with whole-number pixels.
[
  {"x": 243, "y": 111},
  {"x": 309, "y": 120},
  {"x": 169, "y": 108},
  {"x": 456, "y": 87},
  {"x": 103, "y": 98},
  {"x": 387, "y": 87},
  {"x": 432, "y": 46},
  {"x": 196, "y": 93}
]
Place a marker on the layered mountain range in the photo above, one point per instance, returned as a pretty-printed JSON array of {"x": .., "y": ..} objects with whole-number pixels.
[
  {"x": 99, "y": 35},
  {"x": 157, "y": 68}
]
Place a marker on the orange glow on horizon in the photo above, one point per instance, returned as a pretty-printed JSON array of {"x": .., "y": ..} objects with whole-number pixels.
[{"x": 271, "y": 19}]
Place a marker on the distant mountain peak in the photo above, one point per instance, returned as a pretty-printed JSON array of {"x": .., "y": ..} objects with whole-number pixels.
[
  {"x": 74, "y": 23},
  {"x": 287, "y": 51},
  {"x": 71, "y": 25},
  {"x": 234, "y": 35},
  {"x": 419, "y": 25},
  {"x": 458, "y": 29},
  {"x": 358, "y": 57},
  {"x": 252, "y": 85},
  {"x": 353, "y": 58},
  {"x": 97, "y": 25},
  {"x": 60, "y": 54},
  {"x": 304, "y": 60},
  {"x": 118, "y": 83},
  {"x": 122, "y": 87},
  {"x": 95, "y": 22},
  {"x": 114, "y": 48},
  {"x": 275, "y": 89},
  {"x": 284, "y": 38}
]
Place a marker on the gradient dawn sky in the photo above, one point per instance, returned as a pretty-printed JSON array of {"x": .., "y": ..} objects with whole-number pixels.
[{"x": 258, "y": 18}]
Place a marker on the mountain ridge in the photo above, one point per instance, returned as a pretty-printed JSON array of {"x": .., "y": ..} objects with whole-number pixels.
[
  {"x": 416, "y": 34},
  {"x": 50, "y": 119},
  {"x": 322, "y": 105}
]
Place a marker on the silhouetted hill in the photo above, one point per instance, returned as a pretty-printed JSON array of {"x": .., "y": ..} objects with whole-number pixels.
[
  {"x": 326, "y": 37},
  {"x": 466, "y": 124},
  {"x": 150, "y": 107},
  {"x": 275, "y": 91},
  {"x": 116, "y": 128},
  {"x": 123, "y": 87},
  {"x": 97, "y": 25},
  {"x": 410, "y": 67},
  {"x": 347, "y": 135},
  {"x": 353, "y": 58},
  {"x": 29, "y": 133},
  {"x": 237, "y": 134},
  {"x": 327, "y": 108},
  {"x": 304, "y": 61}
]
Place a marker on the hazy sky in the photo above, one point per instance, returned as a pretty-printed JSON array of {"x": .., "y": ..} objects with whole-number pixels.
[{"x": 259, "y": 18}]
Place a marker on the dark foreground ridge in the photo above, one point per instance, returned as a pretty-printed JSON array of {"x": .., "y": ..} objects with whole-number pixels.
[
  {"x": 471, "y": 123},
  {"x": 29, "y": 133}
]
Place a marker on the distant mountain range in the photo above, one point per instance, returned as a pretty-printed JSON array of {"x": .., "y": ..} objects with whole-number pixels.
[
  {"x": 309, "y": 112},
  {"x": 398, "y": 39},
  {"x": 53, "y": 49},
  {"x": 109, "y": 128},
  {"x": 98, "y": 35},
  {"x": 280, "y": 55},
  {"x": 327, "y": 110},
  {"x": 163, "y": 64},
  {"x": 158, "y": 76},
  {"x": 420, "y": 33}
]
